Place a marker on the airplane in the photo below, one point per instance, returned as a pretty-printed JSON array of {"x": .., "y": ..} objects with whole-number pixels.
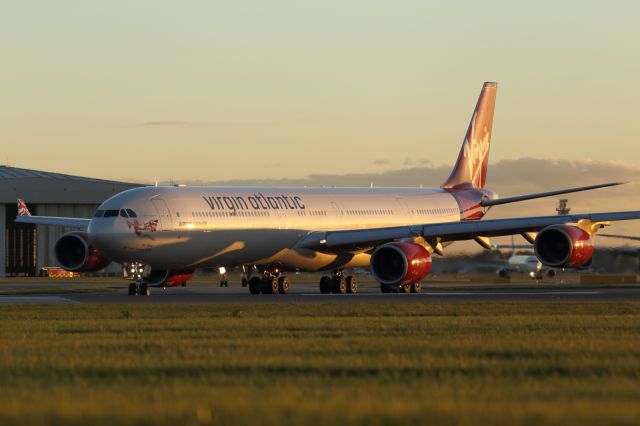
[
  {"x": 270, "y": 231},
  {"x": 528, "y": 264}
]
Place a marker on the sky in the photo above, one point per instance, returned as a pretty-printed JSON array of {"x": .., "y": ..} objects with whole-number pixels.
[{"x": 218, "y": 91}]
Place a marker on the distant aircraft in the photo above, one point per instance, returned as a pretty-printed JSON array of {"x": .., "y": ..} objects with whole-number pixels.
[
  {"x": 522, "y": 263},
  {"x": 527, "y": 264},
  {"x": 274, "y": 230}
]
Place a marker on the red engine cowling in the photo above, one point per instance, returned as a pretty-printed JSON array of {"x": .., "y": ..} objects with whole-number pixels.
[
  {"x": 400, "y": 263},
  {"x": 168, "y": 277},
  {"x": 563, "y": 246},
  {"x": 75, "y": 253}
]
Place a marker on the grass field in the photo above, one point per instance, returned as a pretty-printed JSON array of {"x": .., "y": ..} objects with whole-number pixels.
[{"x": 440, "y": 364}]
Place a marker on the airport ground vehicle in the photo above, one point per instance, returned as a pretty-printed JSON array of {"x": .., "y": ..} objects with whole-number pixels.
[{"x": 269, "y": 231}]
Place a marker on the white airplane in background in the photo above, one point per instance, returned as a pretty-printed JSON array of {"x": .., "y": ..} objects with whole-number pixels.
[
  {"x": 523, "y": 263},
  {"x": 272, "y": 230}
]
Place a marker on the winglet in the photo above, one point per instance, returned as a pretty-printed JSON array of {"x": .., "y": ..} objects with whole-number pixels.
[{"x": 22, "y": 208}]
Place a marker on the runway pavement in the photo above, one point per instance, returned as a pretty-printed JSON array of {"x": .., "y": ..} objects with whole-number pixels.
[{"x": 307, "y": 292}]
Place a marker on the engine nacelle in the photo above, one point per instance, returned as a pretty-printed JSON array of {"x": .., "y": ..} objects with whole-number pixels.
[
  {"x": 75, "y": 253},
  {"x": 563, "y": 246},
  {"x": 400, "y": 263},
  {"x": 168, "y": 277}
]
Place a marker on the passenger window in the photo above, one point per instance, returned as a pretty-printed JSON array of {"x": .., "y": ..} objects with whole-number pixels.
[
  {"x": 111, "y": 213},
  {"x": 131, "y": 213},
  {"x": 99, "y": 213}
]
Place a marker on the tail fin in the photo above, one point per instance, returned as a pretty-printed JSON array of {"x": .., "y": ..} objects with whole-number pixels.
[
  {"x": 471, "y": 168},
  {"x": 22, "y": 208}
]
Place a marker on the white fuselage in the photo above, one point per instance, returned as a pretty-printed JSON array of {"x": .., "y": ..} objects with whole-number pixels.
[{"x": 191, "y": 227}]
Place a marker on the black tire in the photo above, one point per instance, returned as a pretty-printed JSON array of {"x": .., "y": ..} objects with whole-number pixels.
[
  {"x": 144, "y": 290},
  {"x": 283, "y": 285},
  {"x": 416, "y": 287},
  {"x": 245, "y": 281},
  {"x": 325, "y": 285},
  {"x": 339, "y": 285},
  {"x": 352, "y": 284},
  {"x": 404, "y": 288},
  {"x": 132, "y": 289},
  {"x": 184, "y": 284},
  {"x": 270, "y": 285},
  {"x": 385, "y": 288},
  {"x": 254, "y": 285}
]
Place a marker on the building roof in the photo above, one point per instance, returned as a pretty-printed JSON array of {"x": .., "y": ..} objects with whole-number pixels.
[
  {"x": 7, "y": 172},
  {"x": 39, "y": 187}
]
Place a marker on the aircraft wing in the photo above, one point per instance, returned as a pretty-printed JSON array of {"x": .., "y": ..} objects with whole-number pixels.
[
  {"x": 72, "y": 222},
  {"x": 623, "y": 237},
  {"x": 450, "y": 231}
]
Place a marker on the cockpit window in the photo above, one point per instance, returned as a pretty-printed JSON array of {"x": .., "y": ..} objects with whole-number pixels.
[
  {"x": 110, "y": 213},
  {"x": 123, "y": 213},
  {"x": 99, "y": 213},
  {"x": 131, "y": 213}
]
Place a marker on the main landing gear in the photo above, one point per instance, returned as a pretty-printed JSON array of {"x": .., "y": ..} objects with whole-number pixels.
[
  {"x": 401, "y": 288},
  {"x": 338, "y": 283},
  {"x": 269, "y": 283}
]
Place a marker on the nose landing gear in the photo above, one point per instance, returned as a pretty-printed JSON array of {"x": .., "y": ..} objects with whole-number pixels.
[{"x": 139, "y": 288}]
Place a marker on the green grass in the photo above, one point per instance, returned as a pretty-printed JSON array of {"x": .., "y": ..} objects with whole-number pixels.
[{"x": 449, "y": 364}]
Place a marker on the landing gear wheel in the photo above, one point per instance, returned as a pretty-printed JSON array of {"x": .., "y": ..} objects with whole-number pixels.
[
  {"x": 340, "y": 285},
  {"x": 416, "y": 287},
  {"x": 245, "y": 281},
  {"x": 404, "y": 288},
  {"x": 385, "y": 288},
  {"x": 270, "y": 285},
  {"x": 325, "y": 285},
  {"x": 224, "y": 282},
  {"x": 133, "y": 289},
  {"x": 255, "y": 284},
  {"x": 145, "y": 290},
  {"x": 283, "y": 285},
  {"x": 352, "y": 284},
  {"x": 183, "y": 284}
]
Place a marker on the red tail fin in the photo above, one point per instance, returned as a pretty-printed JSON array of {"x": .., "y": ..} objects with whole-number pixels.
[
  {"x": 471, "y": 168},
  {"x": 22, "y": 208}
]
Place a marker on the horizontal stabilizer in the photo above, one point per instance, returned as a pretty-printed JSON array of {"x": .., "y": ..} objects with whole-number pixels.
[{"x": 507, "y": 200}]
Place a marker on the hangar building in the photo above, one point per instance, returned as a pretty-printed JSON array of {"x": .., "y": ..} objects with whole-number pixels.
[{"x": 26, "y": 248}]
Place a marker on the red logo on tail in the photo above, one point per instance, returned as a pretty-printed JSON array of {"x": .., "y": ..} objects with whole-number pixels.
[{"x": 22, "y": 208}]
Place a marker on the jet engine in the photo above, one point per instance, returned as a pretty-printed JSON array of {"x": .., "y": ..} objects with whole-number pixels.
[
  {"x": 564, "y": 246},
  {"x": 74, "y": 252},
  {"x": 168, "y": 277},
  {"x": 400, "y": 263}
]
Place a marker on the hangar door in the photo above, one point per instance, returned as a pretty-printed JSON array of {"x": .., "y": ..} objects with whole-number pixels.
[{"x": 20, "y": 244}]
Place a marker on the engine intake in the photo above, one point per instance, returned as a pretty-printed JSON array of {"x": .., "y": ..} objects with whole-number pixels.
[
  {"x": 563, "y": 246},
  {"x": 168, "y": 277},
  {"x": 74, "y": 252},
  {"x": 400, "y": 263}
]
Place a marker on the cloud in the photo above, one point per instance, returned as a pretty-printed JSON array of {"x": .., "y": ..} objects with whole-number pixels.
[
  {"x": 170, "y": 123},
  {"x": 381, "y": 162},
  {"x": 415, "y": 162},
  {"x": 506, "y": 176}
]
